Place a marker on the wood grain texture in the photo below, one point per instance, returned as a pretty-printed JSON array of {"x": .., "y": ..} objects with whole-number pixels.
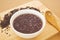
[
  {"x": 55, "y": 37},
  {"x": 53, "y": 5},
  {"x": 47, "y": 32}
]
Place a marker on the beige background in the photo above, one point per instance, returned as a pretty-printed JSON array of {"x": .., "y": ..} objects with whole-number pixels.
[{"x": 51, "y": 4}]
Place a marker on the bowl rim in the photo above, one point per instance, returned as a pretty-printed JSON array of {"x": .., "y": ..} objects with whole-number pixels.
[{"x": 27, "y": 11}]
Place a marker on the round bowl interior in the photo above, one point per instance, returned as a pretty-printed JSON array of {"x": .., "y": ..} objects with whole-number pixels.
[{"x": 27, "y": 11}]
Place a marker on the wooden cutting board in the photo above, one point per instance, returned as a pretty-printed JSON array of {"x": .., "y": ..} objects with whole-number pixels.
[{"x": 48, "y": 31}]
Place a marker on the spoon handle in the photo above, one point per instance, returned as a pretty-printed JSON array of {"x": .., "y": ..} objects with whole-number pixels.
[{"x": 51, "y": 19}]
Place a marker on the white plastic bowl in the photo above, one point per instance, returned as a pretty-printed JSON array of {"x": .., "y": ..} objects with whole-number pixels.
[{"x": 27, "y": 11}]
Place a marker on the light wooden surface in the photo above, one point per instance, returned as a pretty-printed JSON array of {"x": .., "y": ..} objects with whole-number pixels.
[
  {"x": 53, "y": 5},
  {"x": 45, "y": 34},
  {"x": 55, "y": 37}
]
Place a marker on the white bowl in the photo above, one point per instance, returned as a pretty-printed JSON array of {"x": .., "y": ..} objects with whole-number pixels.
[{"x": 27, "y": 11}]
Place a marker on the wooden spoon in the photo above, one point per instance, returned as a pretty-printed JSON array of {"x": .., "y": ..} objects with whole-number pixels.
[{"x": 52, "y": 20}]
